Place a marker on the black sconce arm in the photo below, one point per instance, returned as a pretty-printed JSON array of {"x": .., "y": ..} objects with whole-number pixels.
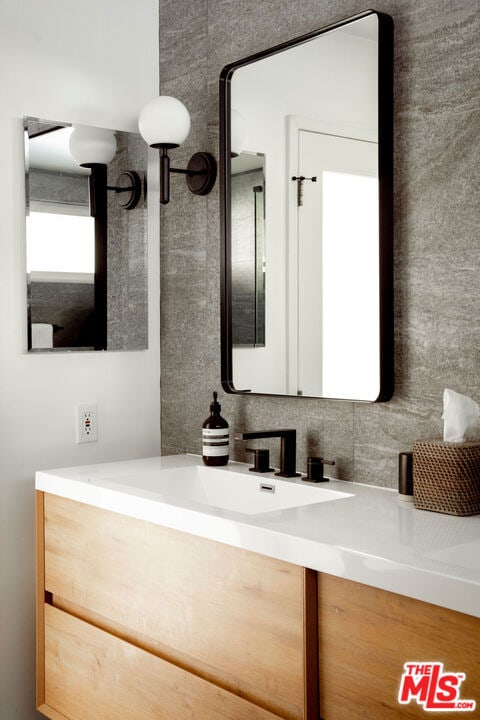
[{"x": 200, "y": 174}]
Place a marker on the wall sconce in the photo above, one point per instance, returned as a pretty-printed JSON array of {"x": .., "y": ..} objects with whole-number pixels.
[
  {"x": 164, "y": 123},
  {"x": 90, "y": 145},
  {"x": 94, "y": 148}
]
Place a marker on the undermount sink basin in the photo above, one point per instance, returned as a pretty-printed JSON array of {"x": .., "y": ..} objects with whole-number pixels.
[{"x": 242, "y": 492}]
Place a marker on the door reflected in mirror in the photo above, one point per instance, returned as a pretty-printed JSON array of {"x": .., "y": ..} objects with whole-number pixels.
[
  {"x": 318, "y": 111},
  {"x": 86, "y": 254}
]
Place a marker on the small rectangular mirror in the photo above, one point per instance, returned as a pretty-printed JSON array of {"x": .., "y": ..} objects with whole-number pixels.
[
  {"x": 248, "y": 273},
  {"x": 86, "y": 242},
  {"x": 307, "y": 293}
]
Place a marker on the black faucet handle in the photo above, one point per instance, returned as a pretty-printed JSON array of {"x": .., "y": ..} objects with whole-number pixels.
[
  {"x": 315, "y": 469},
  {"x": 261, "y": 460}
]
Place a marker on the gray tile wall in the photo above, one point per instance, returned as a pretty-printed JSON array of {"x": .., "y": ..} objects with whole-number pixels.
[
  {"x": 437, "y": 243},
  {"x": 127, "y": 311}
]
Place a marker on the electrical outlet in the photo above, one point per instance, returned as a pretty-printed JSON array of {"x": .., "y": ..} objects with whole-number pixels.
[{"x": 87, "y": 429}]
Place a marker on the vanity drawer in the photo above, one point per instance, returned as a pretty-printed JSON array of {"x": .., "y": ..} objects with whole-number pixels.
[
  {"x": 227, "y": 614},
  {"x": 366, "y": 635},
  {"x": 92, "y": 674}
]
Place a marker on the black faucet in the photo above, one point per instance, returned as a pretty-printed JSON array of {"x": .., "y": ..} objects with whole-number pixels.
[{"x": 288, "y": 447}]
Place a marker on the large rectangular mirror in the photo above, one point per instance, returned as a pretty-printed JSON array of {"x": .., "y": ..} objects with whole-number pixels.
[
  {"x": 86, "y": 238},
  {"x": 307, "y": 293}
]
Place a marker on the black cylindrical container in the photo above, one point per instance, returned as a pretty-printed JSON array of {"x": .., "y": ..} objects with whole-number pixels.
[{"x": 405, "y": 476}]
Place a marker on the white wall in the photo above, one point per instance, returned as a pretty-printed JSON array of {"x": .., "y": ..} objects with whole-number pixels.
[{"x": 93, "y": 62}]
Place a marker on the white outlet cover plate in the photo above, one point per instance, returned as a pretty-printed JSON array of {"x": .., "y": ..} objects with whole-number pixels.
[{"x": 87, "y": 428}]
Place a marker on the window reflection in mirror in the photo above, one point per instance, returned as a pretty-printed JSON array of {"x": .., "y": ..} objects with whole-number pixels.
[
  {"x": 60, "y": 272},
  {"x": 62, "y": 254},
  {"x": 319, "y": 109}
]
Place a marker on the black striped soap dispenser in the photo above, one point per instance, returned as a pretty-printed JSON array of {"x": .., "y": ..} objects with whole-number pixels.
[{"x": 215, "y": 436}]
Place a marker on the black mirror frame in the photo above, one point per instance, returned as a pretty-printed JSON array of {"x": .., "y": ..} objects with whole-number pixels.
[{"x": 385, "y": 178}]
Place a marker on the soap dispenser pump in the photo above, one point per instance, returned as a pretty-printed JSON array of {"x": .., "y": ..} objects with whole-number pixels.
[{"x": 215, "y": 436}]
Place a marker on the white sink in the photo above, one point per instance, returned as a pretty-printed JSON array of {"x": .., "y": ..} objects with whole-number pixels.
[{"x": 242, "y": 492}]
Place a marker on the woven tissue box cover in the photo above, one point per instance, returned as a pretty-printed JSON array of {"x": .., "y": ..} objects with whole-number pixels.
[{"x": 446, "y": 477}]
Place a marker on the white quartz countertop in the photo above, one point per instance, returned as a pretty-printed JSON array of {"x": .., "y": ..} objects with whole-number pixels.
[{"x": 368, "y": 537}]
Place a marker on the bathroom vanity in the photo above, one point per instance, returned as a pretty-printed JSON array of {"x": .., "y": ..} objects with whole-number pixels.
[{"x": 155, "y": 600}]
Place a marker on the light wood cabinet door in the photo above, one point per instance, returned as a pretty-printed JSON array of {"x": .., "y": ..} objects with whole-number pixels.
[
  {"x": 366, "y": 635},
  {"x": 92, "y": 674},
  {"x": 229, "y": 616}
]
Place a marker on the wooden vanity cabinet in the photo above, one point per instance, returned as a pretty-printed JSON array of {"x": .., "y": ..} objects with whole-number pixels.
[
  {"x": 365, "y": 637},
  {"x": 139, "y": 621}
]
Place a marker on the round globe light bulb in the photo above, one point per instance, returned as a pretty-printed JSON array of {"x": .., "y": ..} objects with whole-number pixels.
[
  {"x": 164, "y": 121},
  {"x": 89, "y": 145}
]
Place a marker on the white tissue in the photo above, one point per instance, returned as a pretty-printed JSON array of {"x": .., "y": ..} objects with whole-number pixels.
[{"x": 459, "y": 413}]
